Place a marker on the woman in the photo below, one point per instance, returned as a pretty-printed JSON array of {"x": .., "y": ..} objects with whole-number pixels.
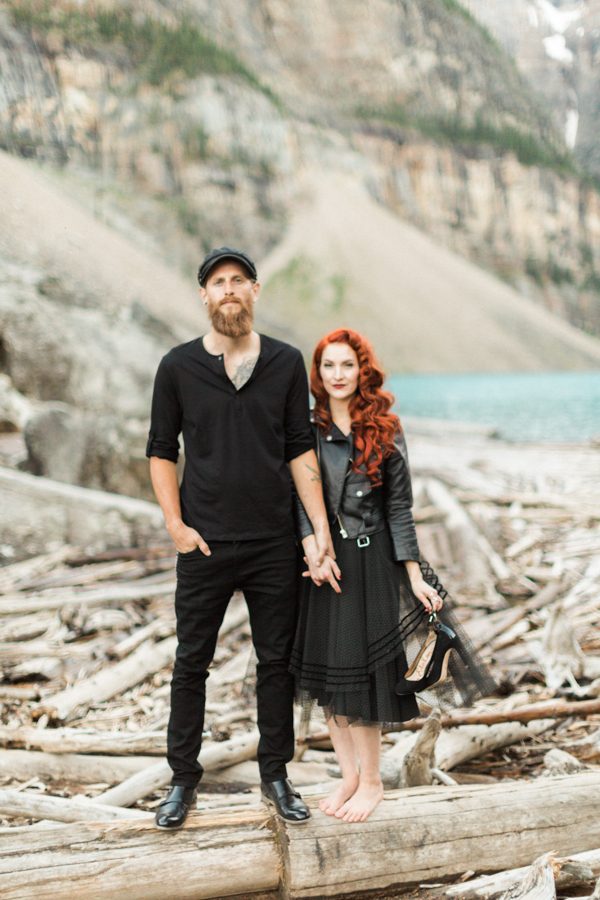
[{"x": 360, "y": 613}]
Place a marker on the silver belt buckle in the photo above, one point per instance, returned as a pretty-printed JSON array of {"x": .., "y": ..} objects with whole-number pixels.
[{"x": 363, "y": 541}]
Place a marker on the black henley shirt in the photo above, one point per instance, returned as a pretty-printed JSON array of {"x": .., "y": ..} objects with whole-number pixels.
[{"x": 236, "y": 484}]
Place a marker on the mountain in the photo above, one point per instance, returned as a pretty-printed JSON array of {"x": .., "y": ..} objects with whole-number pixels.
[
  {"x": 347, "y": 260},
  {"x": 387, "y": 164},
  {"x": 190, "y": 122},
  {"x": 556, "y": 46}
]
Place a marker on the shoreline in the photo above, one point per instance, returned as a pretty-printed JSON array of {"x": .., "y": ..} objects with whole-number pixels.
[
  {"x": 457, "y": 428},
  {"x": 556, "y": 407}
]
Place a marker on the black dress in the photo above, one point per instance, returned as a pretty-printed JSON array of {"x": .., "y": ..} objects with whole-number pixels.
[{"x": 351, "y": 648}]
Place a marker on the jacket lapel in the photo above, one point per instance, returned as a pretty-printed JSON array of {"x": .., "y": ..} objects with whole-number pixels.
[{"x": 334, "y": 461}]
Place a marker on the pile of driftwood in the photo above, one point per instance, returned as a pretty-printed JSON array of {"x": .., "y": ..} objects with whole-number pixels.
[{"x": 86, "y": 649}]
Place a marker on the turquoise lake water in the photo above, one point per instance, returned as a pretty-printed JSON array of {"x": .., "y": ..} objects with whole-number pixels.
[{"x": 532, "y": 406}]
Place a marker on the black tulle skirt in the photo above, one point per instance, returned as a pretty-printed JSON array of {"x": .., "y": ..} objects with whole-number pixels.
[{"x": 351, "y": 648}]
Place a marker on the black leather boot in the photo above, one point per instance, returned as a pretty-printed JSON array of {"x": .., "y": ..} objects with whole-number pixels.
[
  {"x": 288, "y": 802},
  {"x": 172, "y": 812}
]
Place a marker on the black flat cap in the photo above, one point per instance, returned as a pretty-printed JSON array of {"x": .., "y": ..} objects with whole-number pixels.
[{"x": 221, "y": 253}]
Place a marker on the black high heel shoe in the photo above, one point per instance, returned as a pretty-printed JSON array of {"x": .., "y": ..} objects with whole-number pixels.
[{"x": 430, "y": 666}]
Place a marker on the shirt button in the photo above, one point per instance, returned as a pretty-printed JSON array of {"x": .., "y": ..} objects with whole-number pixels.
[
  {"x": 359, "y": 493},
  {"x": 328, "y": 438}
]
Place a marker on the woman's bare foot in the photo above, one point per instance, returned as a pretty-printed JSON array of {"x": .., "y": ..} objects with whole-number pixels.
[
  {"x": 361, "y": 804},
  {"x": 337, "y": 798}
]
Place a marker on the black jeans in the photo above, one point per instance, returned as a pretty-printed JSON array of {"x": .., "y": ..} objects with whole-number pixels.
[{"x": 267, "y": 572}]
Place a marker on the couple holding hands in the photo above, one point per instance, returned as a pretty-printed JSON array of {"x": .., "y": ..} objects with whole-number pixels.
[{"x": 263, "y": 474}]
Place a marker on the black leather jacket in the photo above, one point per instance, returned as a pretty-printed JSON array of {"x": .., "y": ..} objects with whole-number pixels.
[{"x": 354, "y": 506}]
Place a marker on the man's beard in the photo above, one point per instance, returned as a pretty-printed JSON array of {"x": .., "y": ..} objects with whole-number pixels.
[{"x": 234, "y": 324}]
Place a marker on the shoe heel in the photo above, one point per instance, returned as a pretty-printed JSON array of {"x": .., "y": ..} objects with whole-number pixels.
[
  {"x": 437, "y": 666},
  {"x": 445, "y": 661},
  {"x": 421, "y": 661}
]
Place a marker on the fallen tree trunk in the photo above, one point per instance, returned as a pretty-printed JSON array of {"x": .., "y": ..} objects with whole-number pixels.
[
  {"x": 59, "y": 809},
  {"x": 72, "y": 767},
  {"x": 417, "y": 763},
  {"x": 469, "y": 545},
  {"x": 55, "y": 598},
  {"x": 572, "y": 870},
  {"x": 22, "y": 628},
  {"x": 459, "y": 745},
  {"x": 554, "y": 709},
  {"x": 456, "y": 746},
  {"x": 438, "y": 833},
  {"x": 14, "y": 574},
  {"x": 302, "y": 774},
  {"x": 487, "y": 630},
  {"x": 443, "y": 832},
  {"x": 18, "y": 651},
  {"x": 214, "y": 756},
  {"x": 98, "y": 861},
  {"x": 112, "y": 680},
  {"x": 133, "y": 641},
  {"x": 81, "y": 740}
]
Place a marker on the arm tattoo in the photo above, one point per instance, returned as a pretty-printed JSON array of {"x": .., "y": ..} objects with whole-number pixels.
[
  {"x": 244, "y": 371},
  {"x": 316, "y": 475}
]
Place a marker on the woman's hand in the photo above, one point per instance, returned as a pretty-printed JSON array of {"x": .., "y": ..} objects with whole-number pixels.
[
  {"x": 427, "y": 594},
  {"x": 328, "y": 572},
  {"x": 422, "y": 590},
  {"x": 320, "y": 569}
]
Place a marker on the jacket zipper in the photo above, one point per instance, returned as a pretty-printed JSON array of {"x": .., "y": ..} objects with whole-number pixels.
[{"x": 343, "y": 532}]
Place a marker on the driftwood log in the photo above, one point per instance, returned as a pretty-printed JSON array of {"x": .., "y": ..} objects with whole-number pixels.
[
  {"x": 418, "y": 762},
  {"x": 452, "y": 748},
  {"x": 71, "y": 767},
  {"x": 152, "y": 778},
  {"x": 556, "y": 709},
  {"x": 470, "y": 545},
  {"x": 569, "y": 871},
  {"x": 59, "y": 809},
  {"x": 111, "y": 680},
  {"x": 415, "y": 834},
  {"x": 85, "y": 740},
  {"x": 442, "y": 832},
  {"x": 17, "y": 604},
  {"x": 459, "y": 745}
]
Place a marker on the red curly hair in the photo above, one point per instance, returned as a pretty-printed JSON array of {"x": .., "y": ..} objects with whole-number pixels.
[{"x": 373, "y": 425}]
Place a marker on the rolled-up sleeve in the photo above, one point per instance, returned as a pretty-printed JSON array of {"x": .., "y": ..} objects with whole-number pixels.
[
  {"x": 166, "y": 416},
  {"x": 398, "y": 503},
  {"x": 298, "y": 434}
]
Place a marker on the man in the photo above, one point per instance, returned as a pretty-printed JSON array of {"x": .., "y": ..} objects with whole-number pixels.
[{"x": 240, "y": 399}]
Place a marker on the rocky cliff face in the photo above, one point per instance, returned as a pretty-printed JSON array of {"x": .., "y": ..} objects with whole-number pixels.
[
  {"x": 537, "y": 230},
  {"x": 201, "y": 146},
  {"x": 209, "y": 151},
  {"x": 556, "y": 45},
  {"x": 328, "y": 58},
  {"x": 183, "y": 126}
]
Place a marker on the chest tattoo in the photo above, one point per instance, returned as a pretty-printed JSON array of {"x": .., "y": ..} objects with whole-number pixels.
[{"x": 243, "y": 372}]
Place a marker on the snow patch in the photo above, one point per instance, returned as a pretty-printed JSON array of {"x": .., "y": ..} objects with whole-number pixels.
[
  {"x": 556, "y": 48},
  {"x": 558, "y": 19},
  {"x": 571, "y": 126}
]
